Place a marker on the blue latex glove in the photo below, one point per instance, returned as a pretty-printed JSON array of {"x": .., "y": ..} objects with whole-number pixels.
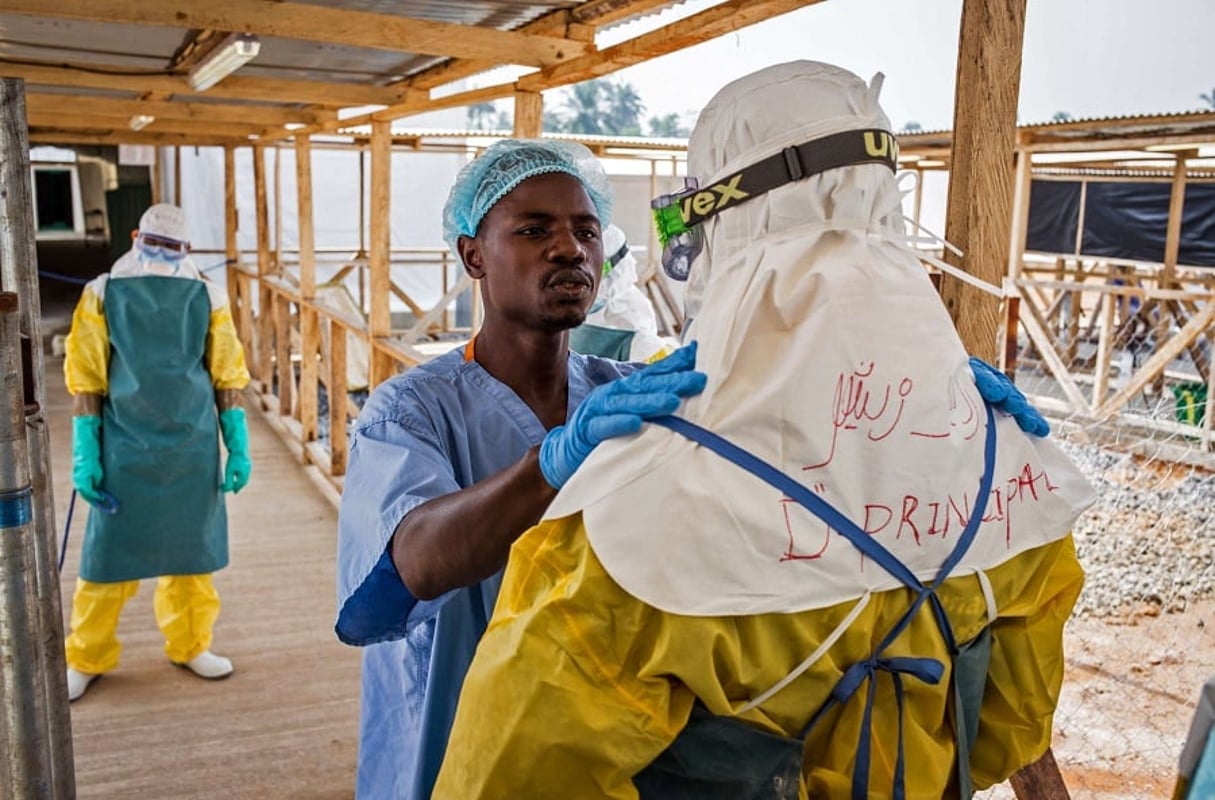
[
  {"x": 236, "y": 438},
  {"x": 86, "y": 461},
  {"x": 997, "y": 389},
  {"x": 617, "y": 409}
]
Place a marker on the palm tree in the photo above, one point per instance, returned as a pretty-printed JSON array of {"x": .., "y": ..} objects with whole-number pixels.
[
  {"x": 668, "y": 126},
  {"x": 913, "y": 127},
  {"x": 622, "y": 114},
  {"x": 481, "y": 116},
  {"x": 583, "y": 105},
  {"x": 1061, "y": 116},
  {"x": 1209, "y": 99}
]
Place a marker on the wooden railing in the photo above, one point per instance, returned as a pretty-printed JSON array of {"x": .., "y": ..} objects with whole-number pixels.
[
  {"x": 1108, "y": 333},
  {"x": 301, "y": 350}
]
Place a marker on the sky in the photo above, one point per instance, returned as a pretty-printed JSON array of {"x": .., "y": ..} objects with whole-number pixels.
[{"x": 1085, "y": 57}]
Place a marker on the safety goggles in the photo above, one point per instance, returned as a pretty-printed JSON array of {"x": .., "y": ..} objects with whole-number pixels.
[
  {"x": 615, "y": 258},
  {"x": 678, "y": 216},
  {"x": 161, "y": 248}
]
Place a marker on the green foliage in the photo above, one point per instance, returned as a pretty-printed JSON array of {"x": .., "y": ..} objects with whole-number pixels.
[
  {"x": 1209, "y": 99},
  {"x": 599, "y": 107},
  {"x": 482, "y": 117},
  {"x": 668, "y": 125}
]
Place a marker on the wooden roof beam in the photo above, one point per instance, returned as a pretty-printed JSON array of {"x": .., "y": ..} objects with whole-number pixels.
[
  {"x": 716, "y": 21},
  {"x": 343, "y": 26},
  {"x": 61, "y": 137},
  {"x": 231, "y": 88},
  {"x": 580, "y": 23},
  {"x": 264, "y": 115},
  {"x": 708, "y": 24},
  {"x": 158, "y": 125}
]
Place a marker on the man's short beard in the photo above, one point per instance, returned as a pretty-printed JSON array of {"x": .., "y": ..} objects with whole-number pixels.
[{"x": 571, "y": 318}]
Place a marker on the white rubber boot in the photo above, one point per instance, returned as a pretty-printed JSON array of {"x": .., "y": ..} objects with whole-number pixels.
[
  {"x": 208, "y": 665},
  {"x": 77, "y": 683}
]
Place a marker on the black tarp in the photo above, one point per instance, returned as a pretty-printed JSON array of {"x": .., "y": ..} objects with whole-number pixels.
[{"x": 1122, "y": 219}]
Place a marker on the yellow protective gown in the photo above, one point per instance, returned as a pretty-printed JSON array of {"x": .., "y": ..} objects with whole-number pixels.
[{"x": 577, "y": 686}]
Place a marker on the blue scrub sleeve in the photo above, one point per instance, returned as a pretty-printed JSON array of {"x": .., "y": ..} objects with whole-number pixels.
[
  {"x": 394, "y": 467},
  {"x": 378, "y": 611}
]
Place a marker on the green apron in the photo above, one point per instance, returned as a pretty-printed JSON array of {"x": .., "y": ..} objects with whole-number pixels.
[
  {"x": 160, "y": 439},
  {"x": 596, "y": 340}
]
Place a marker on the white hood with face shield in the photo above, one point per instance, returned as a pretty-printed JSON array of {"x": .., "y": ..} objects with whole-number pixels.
[{"x": 830, "y": 356}]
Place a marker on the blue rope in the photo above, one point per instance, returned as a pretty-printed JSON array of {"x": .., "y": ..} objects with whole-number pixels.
[
  {"x": 109, "y": 505},
  {"x": 55, "y": 276},
  {"x": 66, "y": 530}
]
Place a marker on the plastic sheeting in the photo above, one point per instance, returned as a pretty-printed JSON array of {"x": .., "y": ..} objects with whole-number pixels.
[{"x": 1122, "y": 219}]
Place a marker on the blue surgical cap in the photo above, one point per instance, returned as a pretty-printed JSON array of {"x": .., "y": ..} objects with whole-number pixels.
[{"x": 504, "y": 165}]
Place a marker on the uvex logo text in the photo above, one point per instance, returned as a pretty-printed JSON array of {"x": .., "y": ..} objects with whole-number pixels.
[{"x": 714, "y": 198}]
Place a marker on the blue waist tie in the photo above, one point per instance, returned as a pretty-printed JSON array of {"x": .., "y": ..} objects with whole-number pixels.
[{"x": 929, "y": 670}]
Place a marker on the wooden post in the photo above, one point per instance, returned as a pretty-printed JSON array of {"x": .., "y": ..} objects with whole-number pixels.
[
  {"x": 177, "y": 176},
  {"x": 282, "y": 354},
  {"x": 980, "y": 184},
  {"x": 1016, "y": 256},
  {"x": 918, "y": 199},
  {"x": 37, "y": 725},
  {"x": 155, "y": 177},
  {"x": 979, "y": 218},
  {"x": 265, "y": 313},
  {"x": 380, "y": 319},
  {"x": 1172, "y": 236},
  {"x": 278, "y": 211},
  {"x": 1040, "y": 780},
  {"x": 651, "y": 245},
  {"x": 337, "y": 399},
  {"x": 1172, "y": 246},
  {"x": 1105, "y": 346},
  {"x": 310, "y": 332},
  {"x": 238, "y": 293},
  {"x": 529, "y": 115}
]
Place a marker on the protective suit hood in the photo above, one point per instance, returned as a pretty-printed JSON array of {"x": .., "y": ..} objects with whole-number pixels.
[{"x": 830, "y": 356}]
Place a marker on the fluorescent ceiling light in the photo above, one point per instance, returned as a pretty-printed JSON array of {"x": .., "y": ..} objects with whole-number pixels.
[
  {"x": 295, "y": 126},
  {"x": 231, "y": 55},
  {"x": 141, "y": 121},
  {"x": 930, "y": 162}
]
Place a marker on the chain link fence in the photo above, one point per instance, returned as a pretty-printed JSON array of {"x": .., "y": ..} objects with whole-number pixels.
[{"x": 1123, "y": 369}]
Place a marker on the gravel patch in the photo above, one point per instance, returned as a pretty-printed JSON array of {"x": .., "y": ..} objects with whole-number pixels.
[{"x": 1148, "y": 543}]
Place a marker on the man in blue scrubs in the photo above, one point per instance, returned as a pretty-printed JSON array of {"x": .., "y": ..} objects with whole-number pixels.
[{"x": 453, "y": 460}]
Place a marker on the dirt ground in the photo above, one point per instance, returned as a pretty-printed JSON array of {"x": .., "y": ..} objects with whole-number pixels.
[{"x": 1129, "y": 694}]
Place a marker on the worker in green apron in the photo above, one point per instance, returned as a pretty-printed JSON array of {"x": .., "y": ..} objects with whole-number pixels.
[
  {"x": 155, "y": 369},
  {"x": 622, "y": 323}
]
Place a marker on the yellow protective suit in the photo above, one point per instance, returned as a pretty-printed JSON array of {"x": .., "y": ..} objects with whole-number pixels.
[
  {"x": 577, "y": 686},
  {"x": 186, "y": 606}
]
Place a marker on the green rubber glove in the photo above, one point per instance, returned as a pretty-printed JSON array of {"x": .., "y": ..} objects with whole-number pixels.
[
  {"x": 236, "y": 439},
  {"x": 86, "y": 459}
]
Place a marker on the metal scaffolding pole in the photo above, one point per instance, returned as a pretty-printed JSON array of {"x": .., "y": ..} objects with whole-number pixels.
[
  {"x": 19, "y": 274},
  {"x": 24, "y": 758}
]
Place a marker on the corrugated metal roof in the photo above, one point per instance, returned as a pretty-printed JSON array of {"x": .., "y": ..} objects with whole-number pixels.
[
  {"x": 315, "y": 55},
  {"x": 476, "y": 138}
]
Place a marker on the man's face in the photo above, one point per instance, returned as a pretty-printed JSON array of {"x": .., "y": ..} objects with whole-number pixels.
[{"x": 538, "y": 253}]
